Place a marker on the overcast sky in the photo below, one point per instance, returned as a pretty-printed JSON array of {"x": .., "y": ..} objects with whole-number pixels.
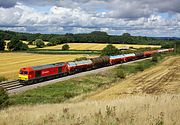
[{"x": 138, "y": 17}]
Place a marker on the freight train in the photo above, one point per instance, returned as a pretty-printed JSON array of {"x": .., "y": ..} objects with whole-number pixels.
[{"x": 35, "y": 74}]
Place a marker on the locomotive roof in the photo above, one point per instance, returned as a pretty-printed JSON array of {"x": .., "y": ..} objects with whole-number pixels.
[{"x": 48, "y": 66}]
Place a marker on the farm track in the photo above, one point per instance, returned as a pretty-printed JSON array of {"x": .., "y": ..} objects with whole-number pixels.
[{"x": 10, "y": 85}]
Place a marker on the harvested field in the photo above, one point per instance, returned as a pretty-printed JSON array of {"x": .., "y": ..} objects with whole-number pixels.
[
  {"x": 11, "y": 62},
  {"x": 163, "y": 78},
  {"x": 95, "y": 46}
]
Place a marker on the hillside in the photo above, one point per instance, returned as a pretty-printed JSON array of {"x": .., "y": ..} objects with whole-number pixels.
[
  {"x": 149, "y": 97},
  {"x": 164, "y": 78}
]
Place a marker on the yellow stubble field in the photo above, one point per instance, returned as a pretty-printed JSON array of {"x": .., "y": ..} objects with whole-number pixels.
[
  {"x": 97, "y": 46},
  {"x": 10, "y": 63}
]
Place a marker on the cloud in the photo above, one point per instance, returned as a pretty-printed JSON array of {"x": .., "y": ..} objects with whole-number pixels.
[
  {"x": 138, "y": 17},
  {"x": 7, "y": 3}
]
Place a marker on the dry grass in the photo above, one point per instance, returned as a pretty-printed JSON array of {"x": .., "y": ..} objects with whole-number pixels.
[
  {"x": 10, "y": 63},
  {"x": 95, "y": 46},
  {"x": 131, "y": 110},
  {"x": 163, "y": 78}
]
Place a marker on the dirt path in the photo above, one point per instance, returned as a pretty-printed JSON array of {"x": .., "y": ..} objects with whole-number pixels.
[{"x": 163, "y": 78}]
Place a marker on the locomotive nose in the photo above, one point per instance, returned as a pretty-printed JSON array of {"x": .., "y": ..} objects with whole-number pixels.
[{"x": 23, "y": 77}]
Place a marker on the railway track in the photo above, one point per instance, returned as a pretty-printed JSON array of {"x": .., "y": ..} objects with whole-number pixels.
[
  {"x": 14, "y": 87},
  {"x": 10, "y": 85}
]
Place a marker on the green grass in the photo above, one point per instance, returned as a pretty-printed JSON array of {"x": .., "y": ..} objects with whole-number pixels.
[{"x": 62, "y": 91}]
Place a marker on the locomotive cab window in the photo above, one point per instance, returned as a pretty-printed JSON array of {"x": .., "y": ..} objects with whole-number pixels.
[
  {"x": 25, "y": 72},
  {"x": 20, "y": 72}
]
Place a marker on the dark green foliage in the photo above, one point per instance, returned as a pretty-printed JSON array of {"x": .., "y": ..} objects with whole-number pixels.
[
  {"x": 93, "y": 37},
  {"x": 50, "y": 44},
  {"x": 140, "y": 67},
  {"x": 126, "y": 34},
  {"x": 39, "y": 43},
  {"x": 2, "y": 44},
  {"x": 120, "y": 72},
  {"x": 65, "y": 47},
  {"x": 2, "y": 78},
  {"x": 3, "y": 98},
  {"x": 81, "y": 58},
  {"x": 177, "y": 47},
  {"x": 15, "y": 44},
  {"x": 109, "y": 50},
  {"x": 30, "y": 43}
]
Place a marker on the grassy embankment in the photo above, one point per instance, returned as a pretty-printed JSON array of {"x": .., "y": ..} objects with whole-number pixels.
[{"x": 65, "y": 90}]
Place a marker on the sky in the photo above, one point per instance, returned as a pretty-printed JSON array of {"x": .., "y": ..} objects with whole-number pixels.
[{"x": 154, "y": 18}]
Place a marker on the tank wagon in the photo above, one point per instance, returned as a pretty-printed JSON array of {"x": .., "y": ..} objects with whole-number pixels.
[{"x": 34, "y": 74}]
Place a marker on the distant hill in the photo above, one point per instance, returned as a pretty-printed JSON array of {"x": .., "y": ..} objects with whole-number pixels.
[{"x": 166, "y": 38}]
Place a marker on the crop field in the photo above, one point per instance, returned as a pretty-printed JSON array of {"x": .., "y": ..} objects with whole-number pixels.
[
  {"x": 11, "y": 62},
  {"x": 97, "y": 46}
]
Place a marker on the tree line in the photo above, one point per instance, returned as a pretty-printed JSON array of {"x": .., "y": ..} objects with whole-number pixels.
[{"x": 93, "y": 37}]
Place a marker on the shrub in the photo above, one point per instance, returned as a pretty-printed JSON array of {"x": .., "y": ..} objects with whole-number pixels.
[
  {"x": 4, "y": 98},
  {"x": 65, "y": 47},
  {"x": 30, "y": 43},
  {"x": 155, "y": 59},
  {"x": 120, "y": 73},
  {"x": 50, "y": 44},
  {"x": 80, "y": 58},
  {"x": 39, "y": 43},
  {"x": 2, "y": 78},
  {"x": 109, "y": 50},
  {"x": 140, "y": 67}
]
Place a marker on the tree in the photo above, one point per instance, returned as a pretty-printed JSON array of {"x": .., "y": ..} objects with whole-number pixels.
[
  {"x": 65, "y": 47},
  {"x": 126, "y": 34},
  {"x": 39, "y": 43},
  {"x": 109, "y": 50},
  {"x": 2, "y": 44},
  {"x": 15, "y": 44}
]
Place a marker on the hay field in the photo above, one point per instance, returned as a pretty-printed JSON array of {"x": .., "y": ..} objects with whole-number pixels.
[
  {"x": 11, "y": 62},
  {"x": 30, "y": 46},
  {"x": 130, "y": 110},
  {"x": 97, "y": 46}
]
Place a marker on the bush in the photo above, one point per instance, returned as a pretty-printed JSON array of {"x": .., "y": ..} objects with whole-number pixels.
[
  {"x": 140, "y": 67},
  {"x": 155, "y": 59},
  {"x": 80, "y": 58},
  {"x": 30, "y": 43},
  {"x": 120, "y": 73},
  {"x": 2, "y": 78},
  {"x": 65, "y": 47},
  {"x": 4, "y": 98},
  {"x": 39, "y": 43},
  {"x": 50, "y": 44},
  {"x": 109, "y": 50}
]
